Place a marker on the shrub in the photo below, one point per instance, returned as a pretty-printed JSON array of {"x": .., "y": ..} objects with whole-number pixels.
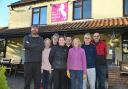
[{"x": 3, "y": 81}]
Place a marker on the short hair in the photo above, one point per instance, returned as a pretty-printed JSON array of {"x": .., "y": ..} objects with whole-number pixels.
[
  {"x": 76, "y": 39},
  {"x": 87, "y": 34},
  {"x": 47, "y": 39},
  {"x": 35, "y": 26},
  {"x": 62, "y": 37},
  {"x": 55, "y": 36}
]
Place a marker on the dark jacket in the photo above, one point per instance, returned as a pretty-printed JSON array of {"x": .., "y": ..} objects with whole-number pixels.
[
  {"x": 58, "y": 57},
  {"x": 90, "y": 51},
  {"x": 33, "y": 48}
]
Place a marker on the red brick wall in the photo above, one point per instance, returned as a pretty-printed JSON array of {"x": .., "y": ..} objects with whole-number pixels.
[{"x": 114, "y": 77}]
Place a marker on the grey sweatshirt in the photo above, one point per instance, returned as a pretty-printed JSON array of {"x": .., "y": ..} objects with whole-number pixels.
[{"x": 33, "y": 48}]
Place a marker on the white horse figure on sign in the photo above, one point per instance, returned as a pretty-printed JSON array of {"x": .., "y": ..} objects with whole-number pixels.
[{"x": 62, "y": 11}]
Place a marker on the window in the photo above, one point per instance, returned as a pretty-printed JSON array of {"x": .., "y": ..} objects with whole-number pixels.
[
  {"x": 39, "y": 16},
  {"x": 125, "y": 7},
  {"x": 82, "y": 9}
]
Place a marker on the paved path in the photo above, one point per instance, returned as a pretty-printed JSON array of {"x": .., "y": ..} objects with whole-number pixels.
[{"x": 18, "y": 83}]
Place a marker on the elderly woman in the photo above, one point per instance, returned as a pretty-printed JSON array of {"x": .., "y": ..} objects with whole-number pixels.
[
  {"x": 90, "y": 51},
  {"x": 76, "y": 65}
]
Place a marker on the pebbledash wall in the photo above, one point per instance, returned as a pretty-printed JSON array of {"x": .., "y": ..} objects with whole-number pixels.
[{"x": 21, "y": 17}]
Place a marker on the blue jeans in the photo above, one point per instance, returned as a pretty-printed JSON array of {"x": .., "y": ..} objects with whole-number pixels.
[
  {"x": 76, "y": 79},
  {"x": 46, "y": 79},
  {"x": 101, "y": 72}
]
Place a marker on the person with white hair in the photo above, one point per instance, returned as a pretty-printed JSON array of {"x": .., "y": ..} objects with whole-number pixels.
[{"x": 90, "y": 51}]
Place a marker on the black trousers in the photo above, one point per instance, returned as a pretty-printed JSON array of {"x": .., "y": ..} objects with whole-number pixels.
[
  {"x": 32, "y": 70},
  {"x": 59, "y": 79}
]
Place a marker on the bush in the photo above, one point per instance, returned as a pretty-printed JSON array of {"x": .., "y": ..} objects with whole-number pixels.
[{"x": 3, "y": 81}]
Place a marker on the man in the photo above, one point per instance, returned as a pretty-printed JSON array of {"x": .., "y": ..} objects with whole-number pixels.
[
  {"x": 33, "y": 45},
  {"x": 101, "y": 63},
  {"x": 58, "y": 60},
  {"x": 69, "y": 41},
  {"x": 69, "y": 45}
]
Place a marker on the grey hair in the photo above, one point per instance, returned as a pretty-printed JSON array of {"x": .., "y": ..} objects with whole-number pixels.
[
  {"x": 55, "y": 35},
  {"x": 87, "y": 34}
]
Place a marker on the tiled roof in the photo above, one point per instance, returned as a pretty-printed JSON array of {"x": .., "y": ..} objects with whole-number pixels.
[
  {"x": 24, "y": 2},
  {"x": 89, "y": 25}
]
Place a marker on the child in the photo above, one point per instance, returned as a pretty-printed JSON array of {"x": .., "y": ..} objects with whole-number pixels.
[{"x": 76, "y": 65}]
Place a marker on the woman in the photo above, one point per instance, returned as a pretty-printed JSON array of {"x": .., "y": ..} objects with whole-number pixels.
[
  {"x": 90, "y": 51},
  {"x": 58, "y": 60},
  {"x": 76, "y": 65},
  {"x": 46, "y": 67}
]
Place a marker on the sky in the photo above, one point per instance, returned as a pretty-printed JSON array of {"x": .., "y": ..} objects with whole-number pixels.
[{"x": 4, "y": 12}]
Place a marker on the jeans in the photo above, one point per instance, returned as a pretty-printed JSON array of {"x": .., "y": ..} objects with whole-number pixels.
[
  {"x": 76, "y": 79},
  {"x": 46, "y": 79},
  {"x": 101, "y": 72},
  {"x": 91, "y": 79},
  {"x": 32, "y": 70}
]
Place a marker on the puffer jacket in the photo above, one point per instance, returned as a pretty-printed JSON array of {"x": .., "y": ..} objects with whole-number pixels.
[{"x": 58, "y": 57}]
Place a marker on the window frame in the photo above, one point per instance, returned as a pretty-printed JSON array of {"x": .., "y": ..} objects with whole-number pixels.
[
  {"x": 125, "y": 15},
  {"x": 39, "y": 15},
  {"x": 82, "y": 17}
]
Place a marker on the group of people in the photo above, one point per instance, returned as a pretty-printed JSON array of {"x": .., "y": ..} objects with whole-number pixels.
[{"x": 64, "y": 62}]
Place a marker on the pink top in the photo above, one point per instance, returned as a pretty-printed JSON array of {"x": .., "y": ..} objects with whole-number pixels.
[
  {"x": 45, "y": 59},
  {"x": 76, "y": 59}
]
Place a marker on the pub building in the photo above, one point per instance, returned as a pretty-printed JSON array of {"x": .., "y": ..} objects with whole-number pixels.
[{"x": 75, "y": 17}]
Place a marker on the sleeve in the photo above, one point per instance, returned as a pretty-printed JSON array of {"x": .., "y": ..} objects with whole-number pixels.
[
  {"x": 68, "y": 59},
  {"x": 105, "y": 49},
  {"x": 29, "y": 45},
  {"x": 41, "y": 46},
  {"x": 51, "y": 55},
  {"x": 26, "y": 43},
  {"x": 84, "y": 62},
  {"x": 42, "y": 62},
  {"x": 95, "y": 53}
]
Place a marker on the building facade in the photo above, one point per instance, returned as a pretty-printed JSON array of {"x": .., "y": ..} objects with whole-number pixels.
[{"x": 76, "y": 17}]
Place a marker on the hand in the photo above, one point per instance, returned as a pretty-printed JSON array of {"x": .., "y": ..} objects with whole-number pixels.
[
  {"x": 68, "y": 74},
  {"x": 84, "y": 76}
]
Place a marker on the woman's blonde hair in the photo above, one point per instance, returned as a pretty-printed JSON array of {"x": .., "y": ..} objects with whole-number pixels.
[{"x": 78, "y": 40}]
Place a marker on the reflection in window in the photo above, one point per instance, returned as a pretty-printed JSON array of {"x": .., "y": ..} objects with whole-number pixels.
[
  {"x": 39, "y": 16},
  {"x": 125, "y": 7},
  {"x": 82, "y": 9}
]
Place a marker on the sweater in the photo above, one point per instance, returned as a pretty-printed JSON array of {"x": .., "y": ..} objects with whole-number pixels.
[
  {"x": 90, "y": 51},
  {"x": 33, "y": 48},
  {"x": 45, "y": 59},
  {"x": 76, "y": 59}
]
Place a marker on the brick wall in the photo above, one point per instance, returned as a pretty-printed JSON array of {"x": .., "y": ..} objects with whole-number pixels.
[{"x": 115, "y": 80}]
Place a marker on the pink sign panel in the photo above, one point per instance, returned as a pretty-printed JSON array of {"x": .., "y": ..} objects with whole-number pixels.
[{"x": 59, "y": 12}]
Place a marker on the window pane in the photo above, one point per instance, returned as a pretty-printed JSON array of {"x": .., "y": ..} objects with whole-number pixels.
[
  {"x": 43, "y": 15},
  {"x": 36, "y": 10},
  {"x": 86, "y": 8},
  {"x": 36, "y": 18},
  {"x": 77, "y": 3},
  {"x": 126, "y": 7},
  {"x": 77, "y": 13}
]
